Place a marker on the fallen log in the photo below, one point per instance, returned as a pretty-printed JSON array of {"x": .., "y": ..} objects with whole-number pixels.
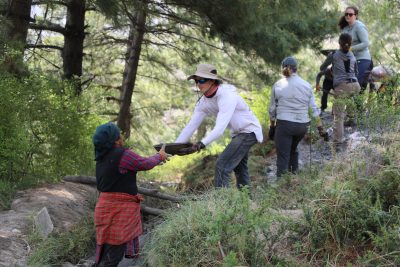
[
  {"x": 83, "y": 179},
  {"x": 151, "y": 211}
]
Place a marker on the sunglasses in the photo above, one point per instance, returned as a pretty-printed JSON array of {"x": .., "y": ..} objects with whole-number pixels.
[
  {"x": 349, "y": 14},
  {"x": 201, "y": 81}
]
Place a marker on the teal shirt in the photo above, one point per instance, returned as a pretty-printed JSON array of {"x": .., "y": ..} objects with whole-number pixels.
[{"x": 360, "y": 41}]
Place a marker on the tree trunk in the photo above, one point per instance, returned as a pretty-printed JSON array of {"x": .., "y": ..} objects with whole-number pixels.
[
  {"x": 17, "y": 14},
  {"x": 73, "y": 42},
  {"x": 131, "y": 66}
]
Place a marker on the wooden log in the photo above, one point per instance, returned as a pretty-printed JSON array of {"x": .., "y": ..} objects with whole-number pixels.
[
  {"x": 83, "y": 179},
  {"x": 152, "y": 211}
]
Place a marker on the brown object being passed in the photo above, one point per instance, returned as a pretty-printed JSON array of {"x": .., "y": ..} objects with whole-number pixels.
[{"x": 176, "y": 148}]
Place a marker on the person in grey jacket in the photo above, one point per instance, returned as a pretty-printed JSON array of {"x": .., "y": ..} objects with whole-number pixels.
[
  {"x": 349, "y": 23},
  {"x": 291, "y": 98}
]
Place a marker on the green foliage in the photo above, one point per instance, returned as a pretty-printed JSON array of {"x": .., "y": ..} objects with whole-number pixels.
[
  {"x": 354, "y": 212},
  {"x": 223, "y": 227},
  {"x": 6, "y": 192},
  {"x": 45, "y": 131},
  {"x": 385, "y": 187},
  {"x": 259, "y": 103},
  {"x": 386, "y": 244},
  {"x": 341, "y": 216},
  {"x": 12, "y": 128},
  {"x": 272, "y": 30},
  {"x": 70, "y": 246}
]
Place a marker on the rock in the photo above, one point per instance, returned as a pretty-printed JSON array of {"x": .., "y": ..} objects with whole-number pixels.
[
  {"x": 66, "y": 203},
  {"x": 43, "y": 223},
  {"x": 67, "y": 264}
]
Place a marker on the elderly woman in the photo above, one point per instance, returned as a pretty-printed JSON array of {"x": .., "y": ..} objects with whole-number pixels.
[
  {"x": 117, "y": 212},
  {"x": 291, "y": 97}
]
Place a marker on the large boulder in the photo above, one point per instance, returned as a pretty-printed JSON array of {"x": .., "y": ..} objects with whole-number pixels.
[{"x": 67, "y": 203}]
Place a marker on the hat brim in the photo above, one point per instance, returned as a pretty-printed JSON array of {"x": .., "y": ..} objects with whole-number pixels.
[{"x": 204, "y": 75}]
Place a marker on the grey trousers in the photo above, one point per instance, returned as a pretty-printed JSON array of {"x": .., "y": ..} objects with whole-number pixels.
[
  {"x": 287, "y": 136},
  {"x": 234, "y": 158}
]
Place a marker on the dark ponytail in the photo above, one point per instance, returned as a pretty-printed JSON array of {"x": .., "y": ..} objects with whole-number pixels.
[
  {"x": 287, "y": 71},
  {"x": 345, "y": 42}
]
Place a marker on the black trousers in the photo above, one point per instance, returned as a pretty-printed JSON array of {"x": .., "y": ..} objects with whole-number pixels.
[
  {"x": 327, "y": 85},
  {"x": 287, "y": 137},
  {"x": 111, "y": 255}
]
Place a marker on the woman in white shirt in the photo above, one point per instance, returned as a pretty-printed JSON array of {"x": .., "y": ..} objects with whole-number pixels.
[
  {"x": 291, "y": 98},
  {"x": 231, "y": 111}
]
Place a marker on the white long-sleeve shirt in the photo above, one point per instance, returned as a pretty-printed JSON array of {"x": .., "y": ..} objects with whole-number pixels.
[
  {"x": 291, "y": 98},
  {"x": 231, "y": 111}
]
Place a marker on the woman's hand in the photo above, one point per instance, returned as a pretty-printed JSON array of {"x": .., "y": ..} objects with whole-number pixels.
[{"x": 163, "y": 155}]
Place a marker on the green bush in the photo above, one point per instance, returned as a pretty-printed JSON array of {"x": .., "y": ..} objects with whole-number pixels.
[
  {"x": 45, "y": 131},
  {"x": 356, "y": 213},
  {"x": 386, "y": 243},
  {"x": 15, "y": 143},
  {"x": 70, "y": 246},
  {"x": 385, "y": 187},
  {"x": 223, "y": 228}
]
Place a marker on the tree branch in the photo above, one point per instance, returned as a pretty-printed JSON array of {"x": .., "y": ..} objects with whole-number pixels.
[
  {"x": 48, "y": 26},
  {"x": 46, "y": 2},
  {"x": 43, "y": 46}
]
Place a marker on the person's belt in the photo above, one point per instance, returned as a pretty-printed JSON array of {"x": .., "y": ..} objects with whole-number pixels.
[{"x": 351, "y": 80}]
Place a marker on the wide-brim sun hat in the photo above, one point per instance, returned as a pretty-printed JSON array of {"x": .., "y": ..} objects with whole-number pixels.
[{"x": 207, "y": 71}]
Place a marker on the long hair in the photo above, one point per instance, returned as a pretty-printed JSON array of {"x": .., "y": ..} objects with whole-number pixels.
[
  {"x": 342, "y": 21},
  {"x": 345, "y": 42}
]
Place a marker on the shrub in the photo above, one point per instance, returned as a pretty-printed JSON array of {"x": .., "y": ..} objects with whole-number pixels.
[
  {"x": 45, "y": 131},
  {"x": 63, "y": 247},
  {"x": 222, "y": 228}
]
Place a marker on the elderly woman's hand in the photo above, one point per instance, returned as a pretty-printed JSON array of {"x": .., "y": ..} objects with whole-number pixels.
[{"x": 164, "y": 156}]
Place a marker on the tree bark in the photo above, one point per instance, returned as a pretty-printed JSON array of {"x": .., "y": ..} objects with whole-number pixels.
[
  {"x": 17, "y": 16},
  {"x": 131, "y": 66},
  {"x": 73, "y": 42}
]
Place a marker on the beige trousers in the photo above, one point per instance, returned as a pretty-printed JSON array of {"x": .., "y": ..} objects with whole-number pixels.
[{"x": 342, "y": 94}]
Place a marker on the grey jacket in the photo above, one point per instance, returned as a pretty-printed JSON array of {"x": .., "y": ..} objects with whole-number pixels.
[
  {"x": 344, "y": 68},
  {"x": 291, "y": 99}
]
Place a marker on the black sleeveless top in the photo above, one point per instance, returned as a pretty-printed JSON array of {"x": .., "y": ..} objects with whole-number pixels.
[{"x": 108, "y": 177}]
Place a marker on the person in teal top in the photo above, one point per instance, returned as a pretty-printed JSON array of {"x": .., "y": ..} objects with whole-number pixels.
[{"x": 349, "y": 23}]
